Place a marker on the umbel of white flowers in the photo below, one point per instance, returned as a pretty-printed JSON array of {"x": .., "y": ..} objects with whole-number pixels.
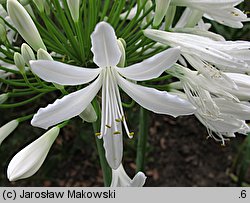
[{"x": 108, "y": 76}]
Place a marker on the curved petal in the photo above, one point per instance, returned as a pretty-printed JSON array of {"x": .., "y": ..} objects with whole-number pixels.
[
  {"x": 67, "y": 107},
  {"x": 152, "y": 67},
  {"x": 104, "y": 46},
  {"x": 63, "y": 74},
  {"x": 113, "y": 146},
  {"x": 139, "y": 180},
  {"x": 156, "y": 101}
]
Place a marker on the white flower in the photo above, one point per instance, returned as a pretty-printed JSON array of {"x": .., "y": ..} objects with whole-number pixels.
[
  {"x": 222, "y": 11},
  {"x": 220, "y": 111},
  {"x": 8, "y": 128},
  {"x": 231, "y": 56},
  {"x": 243, "y": 83},
  {"x": 24, "y": 24},
  {"x": 27, "y": 162},
  {"x": 121, "y": 179},
  {"x": 108, "y": 76}
]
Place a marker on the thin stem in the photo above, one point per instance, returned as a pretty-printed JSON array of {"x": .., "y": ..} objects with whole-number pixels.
[
  {"x": 99, "y": 143},
  {"x": 142, "y": 140}
]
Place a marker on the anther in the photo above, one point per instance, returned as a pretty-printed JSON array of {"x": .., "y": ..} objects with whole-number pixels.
[
  {"x": 108, "y": 126},
  {"x": 97, "y": 134},
  {"x": 131, "y": 134},
  {"x": 118, "y": 120},
  {"x": 117, "y": 133}
]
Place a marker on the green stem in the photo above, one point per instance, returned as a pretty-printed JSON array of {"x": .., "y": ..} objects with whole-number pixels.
[
  {"x": 142, "y": 140},
  {"x": 99, "y": 143}
]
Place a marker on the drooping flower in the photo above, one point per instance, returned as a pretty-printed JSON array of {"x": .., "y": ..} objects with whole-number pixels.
[
  {"x": 108, "y": 76},
  {"x": 219, "y": 110},
  {"x": 230, "y": 56},
  {"x": 121, "y": 179},
  {"x": 27, "y": 162},
  {"x": 222, "y": 11}
]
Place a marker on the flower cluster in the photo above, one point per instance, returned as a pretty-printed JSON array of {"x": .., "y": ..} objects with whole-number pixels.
[{"x": 92, "y": 52}]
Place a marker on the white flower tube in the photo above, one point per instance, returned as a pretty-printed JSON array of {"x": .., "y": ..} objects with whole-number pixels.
[
  {"x": 121, "y": 179},
  {"x": 24, "y": 24},
  {"x": 8, "y": 128},
  {"x": 27, "y": 162}
]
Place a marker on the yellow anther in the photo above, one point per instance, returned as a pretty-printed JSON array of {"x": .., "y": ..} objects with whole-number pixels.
[
  {"x": 117, "y": 133},
  {"x": 118, "y": 120},
  {"x": 108, "y": 126},
  {"x": 97, "y": 134},
  {"x": 131, "y": 134}
]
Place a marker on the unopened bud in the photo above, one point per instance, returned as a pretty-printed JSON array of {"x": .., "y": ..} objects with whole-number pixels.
[
  {"x": 27, "y": 53},
  {"x": 24, "y": 24},
  {"x": 74, "y": 7},
  {"x": 19, "y": 62},
  {"x": 40, "y": 5},
  {"x": 122, "y": 45},
  {"x": 3, "y": 98}
]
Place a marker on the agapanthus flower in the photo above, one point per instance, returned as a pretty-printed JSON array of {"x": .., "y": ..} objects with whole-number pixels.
[
  {"x": 221, "y": 112},
  {"x": 229, "y": 56},
  {"x": 222, "y": 11},
  {"x": 110, "y": 77}
]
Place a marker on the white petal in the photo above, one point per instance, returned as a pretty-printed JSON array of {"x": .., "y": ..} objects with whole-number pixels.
[
  {"x": 67, "y": 107},
  {"x": 63, "y": 74},
  {"x": 156, "y": 101},
  {"x": 138, "y": 180},
  {"x": 160, "y": 11},
  {"x": 104, "y": 46},
  {"x": 113, "y": 148},
  {"x": 152, "y": 67},
  {"x": 27, "y": 162}
]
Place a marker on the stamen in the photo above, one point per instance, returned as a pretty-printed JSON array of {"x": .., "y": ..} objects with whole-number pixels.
[
  {"x": 131, "y": 134},
  {"x": 108, "y": 126},
  {"x": 117, "y": 133},
  {"x": 118, "y": 120},
  {"x": 97, "y": 134}
]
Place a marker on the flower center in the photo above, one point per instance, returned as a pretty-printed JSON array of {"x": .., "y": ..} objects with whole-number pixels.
[{"x": 112, "y": 111}]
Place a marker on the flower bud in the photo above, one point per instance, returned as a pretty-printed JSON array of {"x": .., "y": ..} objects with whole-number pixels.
[
  {"x": 89, "y": 114},
  {"x": 3, "y": 98},
  {"x": 40, "y": 5},
  {"x": 43, "y": 55},
  {"x": 122, "y": 45},
  {"x": 28, "y": 161},
  {"x": 74, "y": 7},
  {"x": 27, "y": 53},
  {"x": 24, "y": 24},
  {"x": 19, "y": 62},
  {"x": 7, "y": 129}
]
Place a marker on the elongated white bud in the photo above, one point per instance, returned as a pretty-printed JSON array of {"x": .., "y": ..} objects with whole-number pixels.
[
  {"x": 74, "y": 7},
  {"x": 6, "y": 129},
  {"x": 24, "y": 24},
  {"x": 27, "y": 162}
]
